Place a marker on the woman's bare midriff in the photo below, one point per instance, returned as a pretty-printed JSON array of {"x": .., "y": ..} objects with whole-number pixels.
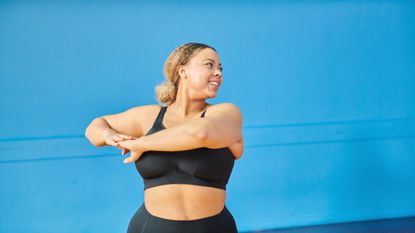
[{"x": 184, "y": 201}]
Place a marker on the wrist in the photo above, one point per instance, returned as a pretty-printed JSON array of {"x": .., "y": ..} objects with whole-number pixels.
[
  {"x": 107, "y": 132},
  {"x": 141, "y": 144}
]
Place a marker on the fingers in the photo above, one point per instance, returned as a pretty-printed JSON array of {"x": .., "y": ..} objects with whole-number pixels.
[
  {"x": 133, "y": 157},
  {"x": 127, "y": 160},
  {"x": 124, "y": 147},
  {"x": 115, "y": 138},
  {"x": 110, "y": 142},
  {"x": 126, "y": 144},
  {"x": 125, "y": 137},
  {"x": 120, "y": 137},
  {"x": 115, "y": 144},
  {"x": 124, "y": 151}
]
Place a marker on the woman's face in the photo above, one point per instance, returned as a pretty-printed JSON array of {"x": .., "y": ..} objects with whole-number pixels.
[{"x": 204, "y": 74}]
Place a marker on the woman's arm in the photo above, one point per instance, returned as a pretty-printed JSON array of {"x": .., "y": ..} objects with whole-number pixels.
[
  {"x": 182, "y": 137},
  {"x": 99, "y": 133},
  {"x": 96, "y": 131},
  {"x": 221, "y": 127},
  {"x": 237, "y": 148},
  {"x": 107, "y": 130}
]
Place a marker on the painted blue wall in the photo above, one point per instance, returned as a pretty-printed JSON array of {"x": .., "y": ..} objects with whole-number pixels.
[{"x": 326, "y": 89}]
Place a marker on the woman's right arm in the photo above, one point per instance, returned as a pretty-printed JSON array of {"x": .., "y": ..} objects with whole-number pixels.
[
  {"x": 99, "y": 132},
  {"x": 109, "y": 129}
]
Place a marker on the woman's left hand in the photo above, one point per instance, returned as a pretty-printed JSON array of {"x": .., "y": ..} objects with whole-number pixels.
[{"x": 134, "y": 147}]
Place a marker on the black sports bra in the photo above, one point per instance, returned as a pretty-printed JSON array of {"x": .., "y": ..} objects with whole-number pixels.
[{"x": 201, "y": 166}]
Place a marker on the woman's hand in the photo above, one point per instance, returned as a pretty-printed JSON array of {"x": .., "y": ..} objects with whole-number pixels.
[
  {"x": 134, "y": 147},
  {"x": 112, "y": 139}
]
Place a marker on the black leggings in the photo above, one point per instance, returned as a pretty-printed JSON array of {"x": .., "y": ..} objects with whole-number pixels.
[{"x": 144, "y": 222}]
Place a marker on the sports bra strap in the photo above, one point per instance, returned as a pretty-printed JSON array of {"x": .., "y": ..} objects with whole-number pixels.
[{"x": 160, "y": 116}]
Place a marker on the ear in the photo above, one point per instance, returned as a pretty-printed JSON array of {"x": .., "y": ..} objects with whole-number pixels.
[{"x": 182, "y": 71}]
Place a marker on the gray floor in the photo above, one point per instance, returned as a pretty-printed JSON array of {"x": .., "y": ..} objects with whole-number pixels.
[{"x": 401, "y": 225}]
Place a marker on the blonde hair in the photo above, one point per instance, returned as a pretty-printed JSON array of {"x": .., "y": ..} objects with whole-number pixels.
[{"x": 166, "y": 92}]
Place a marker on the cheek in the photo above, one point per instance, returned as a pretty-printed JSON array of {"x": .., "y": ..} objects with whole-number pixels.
[
  {"x": 200, "y": 83},
  {"x": 200, "y": 80}
]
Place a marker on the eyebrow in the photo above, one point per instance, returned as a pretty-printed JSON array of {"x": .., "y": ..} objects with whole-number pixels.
[{"x": 212, "y": 60}]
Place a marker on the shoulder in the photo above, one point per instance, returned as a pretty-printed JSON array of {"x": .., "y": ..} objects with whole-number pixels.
[
  {"x": 133, "y": 120},
  {"x": 144, "y": 111},
  {"x": 144, "y": 108},
  {"x": 226, "y": 108}
]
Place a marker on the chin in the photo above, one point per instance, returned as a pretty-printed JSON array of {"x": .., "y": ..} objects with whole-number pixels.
[{"x": 212, "y": 95}]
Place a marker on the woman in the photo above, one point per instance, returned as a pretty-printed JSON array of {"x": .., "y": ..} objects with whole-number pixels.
[{"x": 184, "y": 150}]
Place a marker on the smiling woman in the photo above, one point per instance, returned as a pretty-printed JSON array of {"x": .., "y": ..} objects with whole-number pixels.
[
  {"x": 198, "y": 61},
  {"x": 184, "y": 150}
]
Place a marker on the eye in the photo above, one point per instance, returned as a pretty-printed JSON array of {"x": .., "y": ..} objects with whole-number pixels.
[{"x": 210, "y": 64}]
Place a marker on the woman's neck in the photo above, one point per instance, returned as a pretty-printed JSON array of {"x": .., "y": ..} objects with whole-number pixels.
[{"x": 187, "y": 108}]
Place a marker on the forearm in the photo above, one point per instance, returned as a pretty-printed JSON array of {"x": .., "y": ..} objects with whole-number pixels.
[
  {"x": 186, "y": 136},
  {"x": 96, "y": 130}
]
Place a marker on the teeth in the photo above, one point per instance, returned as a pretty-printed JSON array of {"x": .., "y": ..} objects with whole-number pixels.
[{"x": 214, "y": 83}]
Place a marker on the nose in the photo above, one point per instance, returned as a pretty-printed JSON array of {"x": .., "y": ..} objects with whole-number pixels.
[{"x": 218, "y": 72}]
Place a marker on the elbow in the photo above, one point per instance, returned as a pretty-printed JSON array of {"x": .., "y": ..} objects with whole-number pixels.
[
  {"x": 86, "y": 133},
  {"x": 238, "y": 155},
  {"x": 89, "y": 135},
  {"x": 207, "y": 137},
  {"x": 95, "y": 143},
  {"x": 200, "y": 134}
]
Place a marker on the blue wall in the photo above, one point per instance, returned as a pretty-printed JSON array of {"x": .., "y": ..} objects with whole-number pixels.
[{"x": 326, "y": 89}]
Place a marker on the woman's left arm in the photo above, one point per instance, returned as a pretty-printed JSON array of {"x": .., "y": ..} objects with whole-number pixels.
[{"x": 221, "y": 127}]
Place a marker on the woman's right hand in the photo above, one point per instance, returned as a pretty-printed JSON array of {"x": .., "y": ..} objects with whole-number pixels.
[{"x": 112, "y": 138}]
